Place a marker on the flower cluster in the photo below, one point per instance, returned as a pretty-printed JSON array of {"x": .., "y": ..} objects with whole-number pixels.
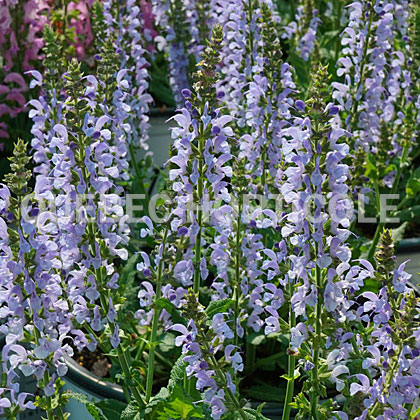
[
  {"x": 390, "y": 381},
  {"x": 201, "y": 347},
  {"x": 304, "y": 29},
  {"x": 126, "y": 28},
  {"x": 184, "y": 30},
  {"x": 32, "y": 300}
]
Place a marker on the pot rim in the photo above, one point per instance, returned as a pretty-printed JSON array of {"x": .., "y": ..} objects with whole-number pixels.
[
  {"x": 409, "y": 244},
  {"x": 167, "y": 113},
  {"x": 80, "y": 376}
]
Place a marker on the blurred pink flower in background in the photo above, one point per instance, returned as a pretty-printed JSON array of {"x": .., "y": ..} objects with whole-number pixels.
[
  {"x": 82, "y": 27},
  {"x": 21, "y": 42},
  {"x": 21, "y": 26},
  {"x": 150, "y": 32}
]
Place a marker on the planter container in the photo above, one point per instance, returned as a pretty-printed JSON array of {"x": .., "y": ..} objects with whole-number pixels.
[
  {"x": 80, "y": 380},
  {"x": 159, "y": 136},
  {"x": 409, "y": 250}
]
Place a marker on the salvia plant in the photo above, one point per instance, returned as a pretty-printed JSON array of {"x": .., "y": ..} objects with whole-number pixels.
[{"x": 264, "y": 268}]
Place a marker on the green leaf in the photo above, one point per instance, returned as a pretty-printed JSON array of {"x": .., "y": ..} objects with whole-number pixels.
[
  {"x": 178, "y": 370},
  {"x": 156, "y": 405},
  {"x": 91, "y": 407},
  {"x": 112, "y": 409},
  {"x": 254, "y": 414},
  {"x": 371, "y": 170},
  {"x": 301, "y": 68},
  {"x": 398, "y": 233},
  {"x": 265, "y": 392},
  {"x": 407, "y": 215},
  {"x": 255, "y": 338},
  {"x": 412, "y": 187},
  {"x": 260, "y": 407},
  {"x": 166, "y": 304},
  {"x": 180, "y": 406},
  {"x": 218, "y": 306},
  {"x": 132, "y": 412}
]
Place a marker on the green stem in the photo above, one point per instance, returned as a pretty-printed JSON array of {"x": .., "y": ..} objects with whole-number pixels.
[
  {"x": 376, "y": 409},
  {"x": 60, "y": 413},
  {"x": 44, "y": 382},
  {"x": 230, "y": 394},
  {"x": 237, "y": 267},
  {"x": 291, "y": 365},
  {"x": 50, "y": 415},
  {"x": 155, "y": 322},
  {"x": 122, "y": 356},
  {"x": 200, "y": 188},
  {"x": 317, "y": 343}
]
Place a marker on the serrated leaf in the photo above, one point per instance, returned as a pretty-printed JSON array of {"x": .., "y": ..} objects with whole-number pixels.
[
  {"x": 132, "y": 412},
  {"x": 156, "y": 404},
  {"x": 398, "y": 233},
  {"x": 93, "y": 410},
  {"x": 180, "y": 406},
  {"x": 218, "y": 306},
  {"x": 112, "y": 409},
  {"x": 261, "y": 406},
  {"x": 178, "y": 370}
]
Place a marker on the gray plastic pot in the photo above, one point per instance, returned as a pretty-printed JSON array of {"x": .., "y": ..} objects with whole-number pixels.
[
  {"x": 160, "y": 136},
  {"x": 409, "y": 250},
  {"x": 80, "y": 380},
  {"x": 409, "y": 245}
]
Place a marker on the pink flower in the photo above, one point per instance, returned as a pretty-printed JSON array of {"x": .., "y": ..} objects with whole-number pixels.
[{"x": 16, "y": 78}]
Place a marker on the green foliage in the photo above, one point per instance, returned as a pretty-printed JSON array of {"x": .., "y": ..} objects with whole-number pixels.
[
  {"x": 179, "y": 406},
  {"x": 159, "y": 84},
  {"x": 91, "y": 406},
  {"x": 112, "y": 409},
  {"x": 255, "y": 414},
  {"x": 132, "y": 412},
  {"x": 218, "y": 306}
]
